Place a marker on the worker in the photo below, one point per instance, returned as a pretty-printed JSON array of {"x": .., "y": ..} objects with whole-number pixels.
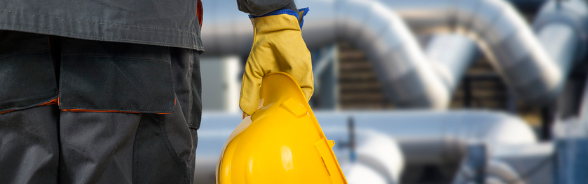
[{"x": 108, "y": 91}]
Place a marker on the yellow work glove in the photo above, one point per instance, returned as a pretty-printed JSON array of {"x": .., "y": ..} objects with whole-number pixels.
[{"x": 277, "y": 47}]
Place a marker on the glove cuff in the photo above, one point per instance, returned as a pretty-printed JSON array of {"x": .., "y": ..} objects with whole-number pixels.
[{"x": 299, "y": 15}]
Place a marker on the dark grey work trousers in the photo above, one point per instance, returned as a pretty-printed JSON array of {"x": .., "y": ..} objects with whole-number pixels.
[{"x": 126, "y": 114}]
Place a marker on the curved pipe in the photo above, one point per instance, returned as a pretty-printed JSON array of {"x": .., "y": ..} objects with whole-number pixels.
[
  {"x": 229, "y": 31},
  {"x": 435, "y": 137},
  {"x": 403, "y": 71},
  {"x": 529, "y": 65},
  {"x": 536, "y": 68},
  {"x": 562, "y": 28},
  {"x": 423, "y": 136},
  {"x": 377, "y": 155},
  {"x": 408, "y": 77}
]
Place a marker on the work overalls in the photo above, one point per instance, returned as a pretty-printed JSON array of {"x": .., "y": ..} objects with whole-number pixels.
[{"x": 102, "y": 91}]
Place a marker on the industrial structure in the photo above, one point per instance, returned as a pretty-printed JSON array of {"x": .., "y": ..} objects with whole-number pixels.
[{"x": 422, "y": 53}]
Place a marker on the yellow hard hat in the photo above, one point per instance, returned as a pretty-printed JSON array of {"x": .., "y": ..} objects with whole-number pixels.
[{"x": 281, "y": 143}]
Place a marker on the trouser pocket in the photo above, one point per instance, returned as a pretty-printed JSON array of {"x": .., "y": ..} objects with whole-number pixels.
[
  {"x": 163, "y": 149},
  {"x": 165, "y": 144},
  {"x": 27, "y": 77},
  {"x": 115, "y": 77}
]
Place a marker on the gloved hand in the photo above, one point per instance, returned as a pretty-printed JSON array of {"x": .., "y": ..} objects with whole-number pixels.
[{"x": 277, "y": 47}]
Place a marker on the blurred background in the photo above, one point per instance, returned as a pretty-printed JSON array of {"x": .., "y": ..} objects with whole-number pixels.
[{"x": 425, "y": 91}]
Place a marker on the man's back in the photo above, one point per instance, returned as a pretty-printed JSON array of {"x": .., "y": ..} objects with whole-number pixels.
[{"x": 163, "y": 23}]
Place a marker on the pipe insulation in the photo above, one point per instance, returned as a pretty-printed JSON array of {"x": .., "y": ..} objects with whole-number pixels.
[
  {"x": 424, "y": 137},
  {"x": 408, "y": 77},
  {"x": 376, "y": 155},
  {"x": 534, "y": 66},
  {"x": 562, "y": 28},
  {"x": 435, "y": 137},
  {"x": 403, "y": 70},
  {"x": 531, "y": 65}
]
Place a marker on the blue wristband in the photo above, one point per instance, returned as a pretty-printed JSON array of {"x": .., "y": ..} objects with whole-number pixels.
[{"x": 289, "y": 12}]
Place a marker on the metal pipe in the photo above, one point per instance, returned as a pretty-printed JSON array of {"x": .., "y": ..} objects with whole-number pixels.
[
  {"x": 436, "y": 137},
  {"x": 402, "y": 69},
  {"x": 376, "y": 153},
  {"x": 562, "y": 28},
  {"x": 423, "y": 136},
  {"x": 535, "y": 68},
  {"x": 406, "y": 74},
  {"x": 535, "y": 74}
]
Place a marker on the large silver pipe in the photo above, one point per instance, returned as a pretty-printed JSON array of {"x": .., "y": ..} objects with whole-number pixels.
[
  {"x": 529, "y": 65},
  {"x": 436, "y": 137},
  {"x": 562, "y": 28},
  {"x": 407, "y": 75},
  {"x": 533, "y": 67},
  {"x": 403, "y": 71},
  {"x": 423, "y": 136},
  {"x": 228, "y": 31}
]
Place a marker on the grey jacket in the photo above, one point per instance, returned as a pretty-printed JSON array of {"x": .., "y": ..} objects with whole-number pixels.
[{"x": 163, "y": 23}]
